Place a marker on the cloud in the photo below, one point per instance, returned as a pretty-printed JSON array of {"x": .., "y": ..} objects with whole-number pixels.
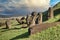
[{"x": 26, "y": 6}]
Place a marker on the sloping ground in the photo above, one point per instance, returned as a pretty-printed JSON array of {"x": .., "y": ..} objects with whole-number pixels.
[
  {"x": 52, "y": 33},
  {"x": 39, "y": 27},
  {"x": 55, "y": 19},
  {"x": 57, "y": 6},
  {"x": 48, "y": 31}
]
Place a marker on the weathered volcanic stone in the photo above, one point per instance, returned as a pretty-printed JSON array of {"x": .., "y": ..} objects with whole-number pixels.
[
  {"x": 27, "y": 20},
  {"x": 39, "y": 18},
  {"x": 33, "y": 18},
  {"x": 8, "y": 24},
  {"x": 50, "y": 13},
  {"x": 18, "y": 20},
  {"x": 39, "y": 27},
  {"x": 23, "y": 18}
]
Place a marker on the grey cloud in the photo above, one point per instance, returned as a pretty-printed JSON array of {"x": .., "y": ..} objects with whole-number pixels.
[{"x": 25, "y": 6}]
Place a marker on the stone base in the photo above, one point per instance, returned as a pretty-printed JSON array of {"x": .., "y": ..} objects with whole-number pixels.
[{"x": 39, "y": 27}]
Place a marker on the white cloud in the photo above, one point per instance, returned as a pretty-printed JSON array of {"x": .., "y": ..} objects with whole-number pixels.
[
  {"x": 28, "y": 5},
  {"x": 39, "y": 5}
]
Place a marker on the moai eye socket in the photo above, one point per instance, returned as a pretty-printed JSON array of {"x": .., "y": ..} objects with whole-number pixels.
[
  {"x": 38, "y": 13},
  {"x": 33, "y": 13}
]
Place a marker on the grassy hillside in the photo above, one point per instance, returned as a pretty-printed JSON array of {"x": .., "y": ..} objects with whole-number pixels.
[
  {"x": 56, "y": 9},
  {"x": 55, "y": 19},
  {"x": 57, "y": 6},
  {"x": 18, "y": 33}
]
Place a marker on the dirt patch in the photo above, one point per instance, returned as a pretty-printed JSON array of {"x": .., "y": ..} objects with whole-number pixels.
[{"x": 39, "y": 27}]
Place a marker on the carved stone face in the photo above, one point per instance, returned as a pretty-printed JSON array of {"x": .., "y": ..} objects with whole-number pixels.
[
  {"x": 33, "y": 18},
  {"x": 22, "y": 18},
  {"x": 39, "y": 18},
  {"x": 33, "y": 14}
]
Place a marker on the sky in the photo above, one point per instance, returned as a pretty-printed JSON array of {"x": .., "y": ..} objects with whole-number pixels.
[
  {"x": 53, "y": 2},
  {"x": 22, "y": 7}
]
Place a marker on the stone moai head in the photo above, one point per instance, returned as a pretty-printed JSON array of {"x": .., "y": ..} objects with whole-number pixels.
[
  {"x": 8, "y": 24},
  {"x": 39, "y": 18},
  {"x": 50, "y": 13},
  {"x": 18, "y": 20},
  {"x": 23, "y": 18},
  {"x": 38, "y": 14},
  {"x": 33, "y": 14},
  {"x": 27, "y": 19},
  {"x": 33, "y": 18}
]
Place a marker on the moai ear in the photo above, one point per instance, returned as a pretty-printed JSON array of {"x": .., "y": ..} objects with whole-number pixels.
[{"x": 50, "y": 13}]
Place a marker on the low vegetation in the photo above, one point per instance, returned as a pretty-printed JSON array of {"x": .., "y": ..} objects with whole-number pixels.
[{"x": 18, "y": 33}]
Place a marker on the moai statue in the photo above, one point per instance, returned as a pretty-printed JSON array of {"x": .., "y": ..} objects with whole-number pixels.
[
  {"x": 50, "y": 13},
  {"x": 23, "y": 18},
  {"x": 27, "y": 20},
  {"x": 8, "y": 24},
  {"x": 33, "y": 18},
  {"x": 18, "y": 20},
  {"x": 39, "y": 18}
]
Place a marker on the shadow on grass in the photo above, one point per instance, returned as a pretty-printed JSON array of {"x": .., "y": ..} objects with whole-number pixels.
[
  {"x": 22, "y": 36},
  {"x": 4, "y": 29},
  {"x": 16, "y": 25}
]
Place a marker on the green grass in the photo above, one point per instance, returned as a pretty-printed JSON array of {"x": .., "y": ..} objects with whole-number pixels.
[
  {"x": 6, "y": 34},
  {"x": 52, "y": 33},
  {"x": 56, "y": 18},
  {"x": 48, "y": 34},
  {"x": 18, "y": 33}
]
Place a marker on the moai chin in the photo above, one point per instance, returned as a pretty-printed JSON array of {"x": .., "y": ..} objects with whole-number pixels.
[
  {"x": 50, "y": 13},
  {"x": 39, "y": 18},
  {"x": 8, "y": 24},
  {"x": 33, "y": 19}
]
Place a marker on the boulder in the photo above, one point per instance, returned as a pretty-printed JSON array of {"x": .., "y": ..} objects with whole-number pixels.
[{"x": 8, "y": 24}]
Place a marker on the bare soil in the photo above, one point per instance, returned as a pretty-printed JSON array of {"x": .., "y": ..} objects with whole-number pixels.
[{"x": 39, "y": 27}]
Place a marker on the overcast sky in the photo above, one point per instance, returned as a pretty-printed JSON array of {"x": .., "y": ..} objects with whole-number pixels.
[{"x": 25, "y": 6}]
